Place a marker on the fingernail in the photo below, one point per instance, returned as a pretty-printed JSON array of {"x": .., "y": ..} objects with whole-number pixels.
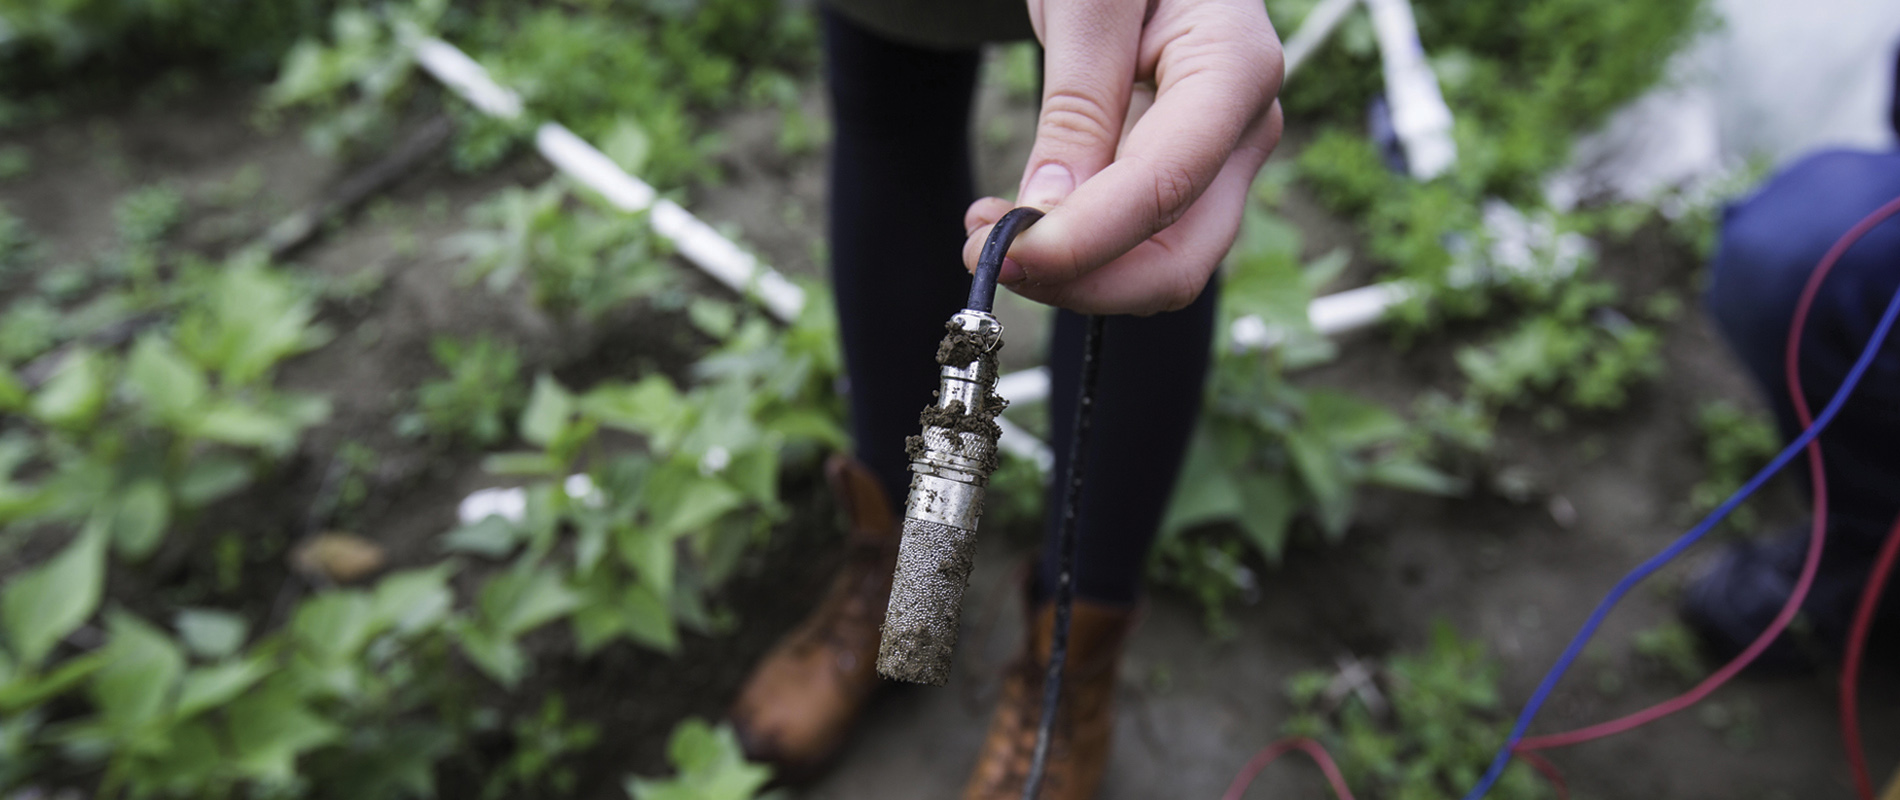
[
  {"x": 1047, "y": 186},
  {"x": 1011, "y": 272}
]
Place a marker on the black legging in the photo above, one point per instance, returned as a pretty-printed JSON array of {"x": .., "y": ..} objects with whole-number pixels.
[{"x": 900, "y": 181}]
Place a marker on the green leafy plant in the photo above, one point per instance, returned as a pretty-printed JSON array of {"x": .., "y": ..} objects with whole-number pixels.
[
  {"x": 575, "y": 259},
  {"x": 655, "y": 531},
  {"x": 1422, "y": 726},
  {"x": 482, "y": 391},
  {"x": 1520, "y": 92},
  {"x": 356, "y": 81},
  {"x": 1735, "y": 445},
  {"x": 594, "y": 67},
  {"x": 711, "y": 767},
  {"x": 183, "y": 418},
  {"x": 1269, "y": 455}
]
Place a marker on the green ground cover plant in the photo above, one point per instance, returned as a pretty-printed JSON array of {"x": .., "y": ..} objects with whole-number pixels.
[
  {"x": 1419, "y": 726},
  {"x": 477, "y": 400}
]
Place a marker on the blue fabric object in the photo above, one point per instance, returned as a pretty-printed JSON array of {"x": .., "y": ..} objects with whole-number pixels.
[{"x": 1770, "y": 245}]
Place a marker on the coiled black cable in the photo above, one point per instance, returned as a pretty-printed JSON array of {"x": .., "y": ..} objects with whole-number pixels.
[{"x": 982, "y": 297}]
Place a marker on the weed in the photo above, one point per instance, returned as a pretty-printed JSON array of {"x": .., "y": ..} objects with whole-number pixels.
[
  {"x": 574, "y": 258},
  {"x": 1425, "y": 728},
  {"x": 711, "y": 767},
  {"x": 482, "y": 392},
  {"x": 1735, "y": 445},
  {"x": 1268, "y": 454},
  {"x": 1672, "y": 646}
]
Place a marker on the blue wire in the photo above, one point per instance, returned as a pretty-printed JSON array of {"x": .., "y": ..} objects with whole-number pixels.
[{"x": 1648, "y": 567}]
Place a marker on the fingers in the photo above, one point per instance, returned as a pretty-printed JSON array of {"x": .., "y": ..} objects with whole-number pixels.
[
  {"x": 1169, "y": 270},
  {"x": 1217, "y": 68},
  {"x": 1091, "y": 48}
]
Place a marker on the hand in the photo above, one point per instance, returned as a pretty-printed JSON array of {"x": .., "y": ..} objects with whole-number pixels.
[{"x": 1153, "y": 126}]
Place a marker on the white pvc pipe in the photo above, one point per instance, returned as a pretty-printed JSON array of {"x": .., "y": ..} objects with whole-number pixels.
[
  {"x": 712, "y": 253},
  {"x": 1315, "y": 28}
]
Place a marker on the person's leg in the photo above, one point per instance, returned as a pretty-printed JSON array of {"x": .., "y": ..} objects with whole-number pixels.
[
  {"x": 900, "y": 181},
  {"x": 1770, "y": 246},
  {"x": 1147, "y": 400}
]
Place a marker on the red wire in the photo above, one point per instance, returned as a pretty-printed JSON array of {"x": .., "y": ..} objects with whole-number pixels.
[
  {"x": 1857, "y": 638},
  {"x": 1850, "y": 670},
  {"x": 1317, "y": 752},
  {"x": 1818, "y": 533},
  {"x": 1548, "y": 770},
  {"x": 1273, "y": 752}
]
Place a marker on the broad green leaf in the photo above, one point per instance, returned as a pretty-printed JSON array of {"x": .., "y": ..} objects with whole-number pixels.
[
  {"x": 141, "y": 518},
  {"x": 491, "y": 536},
  {"x": 75, "y": 392},
  {"x": 755, "y": 472},
  {"x": 251, "y": 318},
  {"x": 495, "y": 655},
  {"x": 599, "y": 619},
  {"x": 1205, "y": 491},
  {"x": 1350, "y": 422},
  {"x": 595, "y": 626},
  {"x": 210, "y": 633},
  {"x": 135, "y": 685},
  {"x": 651, "y": 556},
  {"x": 245, "y": 426},
  {"x": 711, "y": 766},
  {"x": 209, "y": 687},
  {"x": 211, "y": 476},
  {"x": 628, "y": 144},
  {"x": 682, "y": 501},
  {"x": 415, "y": 599},
  {"x": 45, "y": 604},
  {"x": 1323, "y": 472},
  {"x": 171, "y": 387},
  {"x": 21, "y": 692},
  {"x": 269, "y": 729},
  {"x": 649, "y": 621},
  {"x": 1412, "y": 475},
  {"x": 803, "y": 425},
  {"x": 335, "y": 625},
  {"x": 194, "y": 755},
  {"x": 653, "y": 406},
  {"x": 521, "y": 600},
  {"x": 715, "y": 318},
  {"x": 1268, "y": 503},
  {"x": 550, "y": 410}
]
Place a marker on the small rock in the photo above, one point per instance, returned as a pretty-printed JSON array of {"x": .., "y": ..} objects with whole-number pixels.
[{"x": 338, "y": 557}]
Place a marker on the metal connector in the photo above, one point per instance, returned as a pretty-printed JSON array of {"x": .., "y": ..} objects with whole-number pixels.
[{"x": 950, "y": 464}]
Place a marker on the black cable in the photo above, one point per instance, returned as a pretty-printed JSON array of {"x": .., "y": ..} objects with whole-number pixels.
[
  {"x": 1065, "y": 556},
  {"x": 989, "y": 263}
]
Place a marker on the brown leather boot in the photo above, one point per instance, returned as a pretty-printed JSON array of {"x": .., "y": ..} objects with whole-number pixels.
[
  {"x": 799, "y": 703},
  {"x": 1085, "y": 717}
]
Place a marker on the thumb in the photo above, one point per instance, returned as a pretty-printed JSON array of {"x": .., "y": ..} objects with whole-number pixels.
[{"x": 1089, "y": 69}]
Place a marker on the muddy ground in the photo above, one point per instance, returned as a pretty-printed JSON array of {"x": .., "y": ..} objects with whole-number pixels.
[{"x": 1194, "y": 708}]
